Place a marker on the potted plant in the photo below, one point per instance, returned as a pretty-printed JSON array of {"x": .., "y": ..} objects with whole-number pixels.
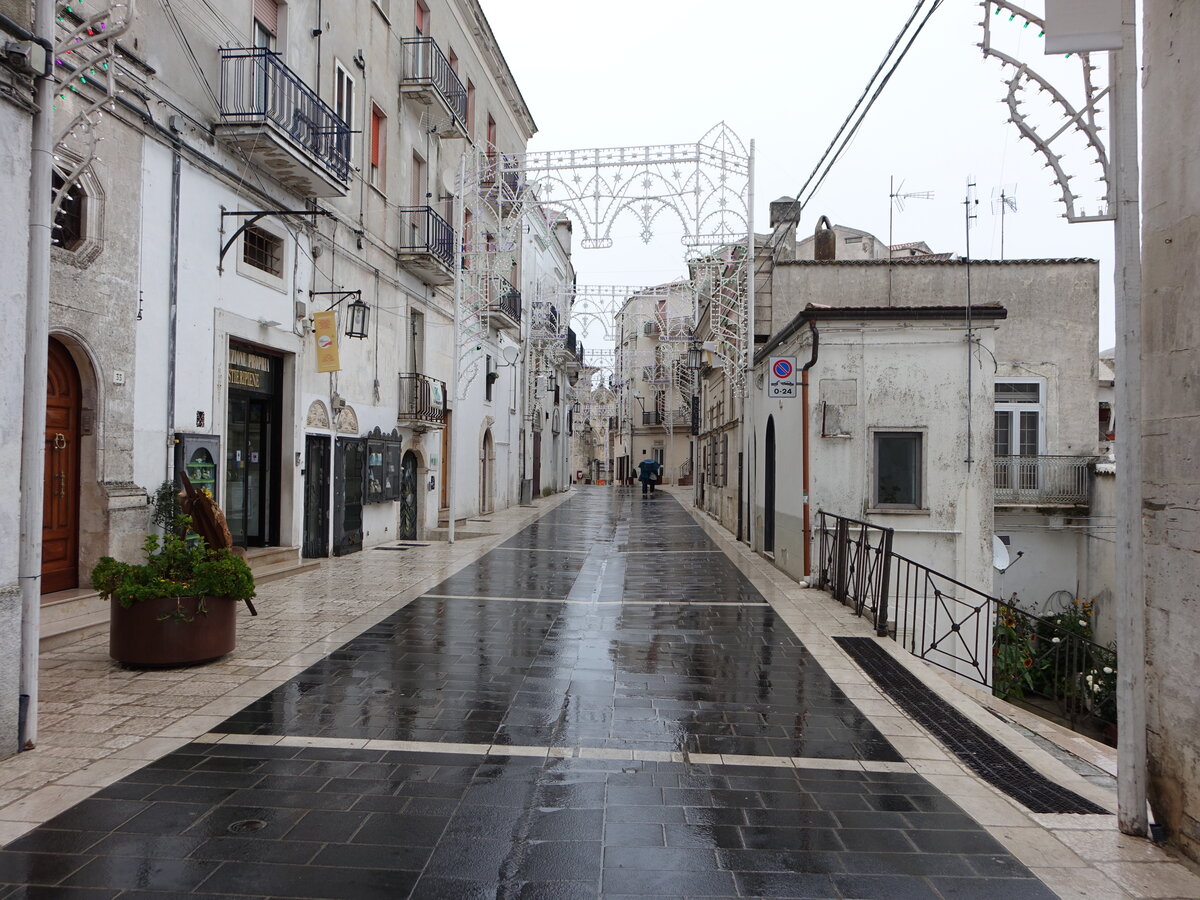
[{"x": 177, "y": 608}]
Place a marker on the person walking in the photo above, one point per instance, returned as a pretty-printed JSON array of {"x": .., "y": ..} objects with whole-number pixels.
[{"x": 649, "y": 474}]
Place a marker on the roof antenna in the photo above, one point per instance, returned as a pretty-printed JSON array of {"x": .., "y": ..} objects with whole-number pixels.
[
  {"x": 1004, "y": 199},
  {"x": 896, "y": 198}
]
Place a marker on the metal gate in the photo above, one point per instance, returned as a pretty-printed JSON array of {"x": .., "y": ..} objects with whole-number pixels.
[
  {"x": 349, "y": 489},
  {"x": 408, "y": 497},
  {"x": 316, "y": 496}
]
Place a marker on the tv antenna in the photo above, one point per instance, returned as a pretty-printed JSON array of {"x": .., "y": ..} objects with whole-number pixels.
[
  {"x": 1004, "y": 200},
  {"x": 896, "y": 198}
]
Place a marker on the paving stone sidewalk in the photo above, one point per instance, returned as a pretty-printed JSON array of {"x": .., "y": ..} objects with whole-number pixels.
[{"x": 612, "y": 700}]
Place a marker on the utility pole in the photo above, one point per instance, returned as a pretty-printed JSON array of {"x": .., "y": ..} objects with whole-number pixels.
[{"x": 1131, "y": 601}]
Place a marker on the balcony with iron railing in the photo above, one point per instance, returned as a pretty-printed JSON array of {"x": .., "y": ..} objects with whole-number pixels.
[
  {"x": 422, "y": 402},
  {"x": 673, "y": 418},
  {"x": 426, "y": 244},
  {"x": 1042, "y": 480},
  {"x": 504, "y": 304},
  {"x": 427, "y": 77},
  {"x": 280, "y": 123}
]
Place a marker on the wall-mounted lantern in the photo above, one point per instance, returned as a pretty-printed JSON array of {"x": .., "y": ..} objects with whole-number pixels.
[
  {"x": 695, "y": 356},
  {"x": 358, "y": 319}
]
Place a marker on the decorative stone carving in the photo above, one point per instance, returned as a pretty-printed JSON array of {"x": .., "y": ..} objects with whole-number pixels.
[
  {"x": 347, "y": 420},
  {"x": 318, "y": 415}
]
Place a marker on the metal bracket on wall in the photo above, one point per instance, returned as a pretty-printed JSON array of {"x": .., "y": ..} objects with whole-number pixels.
[{"x": 252, "y": 217}]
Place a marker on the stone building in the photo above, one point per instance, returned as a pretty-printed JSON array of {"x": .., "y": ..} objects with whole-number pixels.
[
  {"x": 1171, "y": 414},
  {"x": 278, "y": 179}
]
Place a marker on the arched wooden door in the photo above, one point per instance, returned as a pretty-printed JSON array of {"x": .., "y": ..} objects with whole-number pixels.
[
  {"x": 60, "y": 515},
  {"x": 408, "y": 497}
]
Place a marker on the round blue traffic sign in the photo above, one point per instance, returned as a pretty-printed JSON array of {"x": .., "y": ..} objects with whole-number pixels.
[{"x": 782, "y": 369}]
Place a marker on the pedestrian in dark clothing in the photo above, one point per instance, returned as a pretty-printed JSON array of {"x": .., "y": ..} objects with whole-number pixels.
[{"x": 649, "y": 471}]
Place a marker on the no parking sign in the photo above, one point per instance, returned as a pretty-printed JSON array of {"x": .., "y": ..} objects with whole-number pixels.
[{"x": 781, "y": 381}]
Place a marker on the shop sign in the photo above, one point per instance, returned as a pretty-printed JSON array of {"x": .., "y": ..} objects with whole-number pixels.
[
  {"x": 325, "y": 331},
  {"x": 250, "y": 372}
]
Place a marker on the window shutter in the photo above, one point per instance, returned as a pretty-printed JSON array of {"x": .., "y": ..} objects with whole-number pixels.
[{"x": 266, "y": 12}]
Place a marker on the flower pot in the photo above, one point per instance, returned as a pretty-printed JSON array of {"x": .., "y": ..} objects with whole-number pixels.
[{"x": 172, "y": 632}]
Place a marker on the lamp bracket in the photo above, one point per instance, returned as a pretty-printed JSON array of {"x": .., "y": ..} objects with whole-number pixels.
[
  {"x": 345, "y": 295},
  {"x": 253, "y": 216}
]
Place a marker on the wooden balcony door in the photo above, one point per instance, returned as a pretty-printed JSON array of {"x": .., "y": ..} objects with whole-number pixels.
[{"x": 60, "y": 516}]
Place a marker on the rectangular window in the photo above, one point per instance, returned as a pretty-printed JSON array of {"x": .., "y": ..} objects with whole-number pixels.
[
  {"x": 488, "y": 380},
  {"x": 897, "y": 469},
  {"x": 1020, "y": 415},
  {"x": 452, "y": 58},
  {"x": 378, "y": 145},
  {"x": 421, "y": 19},
  {"x": 266, "y": 22},
  {"x": 470, "y": 109},
  {"x": 343, "y": 95},
  {"x": 263, "y": 250}
]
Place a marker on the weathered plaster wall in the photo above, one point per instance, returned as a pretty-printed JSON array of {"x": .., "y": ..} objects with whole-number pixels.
[
  {"x": 1171, "y": 412},
  {"x": 14, "y": 256}
]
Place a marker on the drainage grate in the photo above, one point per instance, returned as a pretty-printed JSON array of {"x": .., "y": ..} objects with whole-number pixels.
[
  {"x": 983, "y": 754},
  {"x": 392, "y": 548},
  {"x": 246, "y": 826}
]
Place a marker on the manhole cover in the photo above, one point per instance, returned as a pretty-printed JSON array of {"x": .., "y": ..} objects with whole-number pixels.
[{"x": 246, "y": 826}]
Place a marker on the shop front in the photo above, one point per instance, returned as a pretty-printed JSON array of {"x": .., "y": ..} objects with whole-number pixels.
[{"x": 252, "y": 448}]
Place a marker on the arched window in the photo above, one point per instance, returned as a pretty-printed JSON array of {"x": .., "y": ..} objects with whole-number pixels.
[{"x": 70, "y": 223}]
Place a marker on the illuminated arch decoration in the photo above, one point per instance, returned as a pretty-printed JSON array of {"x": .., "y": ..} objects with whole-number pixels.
[
  {"x": 1063, "y": 129},
  {"x": 704, "y": 186}
]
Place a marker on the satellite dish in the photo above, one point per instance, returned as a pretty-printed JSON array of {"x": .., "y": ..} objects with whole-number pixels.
[{"x": 1000, "y": 559}]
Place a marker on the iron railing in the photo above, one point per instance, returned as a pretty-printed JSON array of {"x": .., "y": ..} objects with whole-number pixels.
[
  {"x": 504, "y": 298},
  {"x": 256, "y": 86},
  {"x": 422, "y": 230},
  {"x": 424, "y": 63},
  {"x": 1050, "y": 662},
  {"x": 1043, "y": 480},
  {"x": 854, "y": 559},
  {"x": 672, "y": 417},
  {"x": 422, "y": 399}
]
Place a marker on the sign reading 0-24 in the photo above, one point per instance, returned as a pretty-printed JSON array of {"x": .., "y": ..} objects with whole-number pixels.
[{"x": 781, "y": 379}]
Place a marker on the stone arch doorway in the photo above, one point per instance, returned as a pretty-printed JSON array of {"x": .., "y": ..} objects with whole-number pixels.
[
  {"x": 408, "y": 497},
  {"x": 769, "y": 489},
  {"x": 61, "y": 485},
  {"x": 487, "y": 473}
]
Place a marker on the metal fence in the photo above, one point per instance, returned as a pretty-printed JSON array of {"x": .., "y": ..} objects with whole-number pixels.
[
  {"x": 1048, "y": 661},
  {"x": 504, "y": 298},
  {"x": 256, "y": 86}
]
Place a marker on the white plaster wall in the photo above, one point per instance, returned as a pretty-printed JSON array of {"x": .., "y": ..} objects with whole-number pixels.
[{"x": 14, "y": 257}]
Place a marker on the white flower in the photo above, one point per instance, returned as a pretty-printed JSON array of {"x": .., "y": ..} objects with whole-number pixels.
[
  {"x": 1108, "y": 670},
  {"x": 1083, "y": 622},
  {"x": 1056, "y": 640}
]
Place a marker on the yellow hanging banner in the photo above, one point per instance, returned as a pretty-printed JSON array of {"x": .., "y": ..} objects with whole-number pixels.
[{"x": 325, "y": 329}]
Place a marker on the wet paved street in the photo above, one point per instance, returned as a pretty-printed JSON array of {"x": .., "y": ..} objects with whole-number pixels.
[{"x": 543, "y": 723}]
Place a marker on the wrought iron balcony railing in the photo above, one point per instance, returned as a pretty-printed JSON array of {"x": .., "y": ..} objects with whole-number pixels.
[
  {"x": 674, "y": 417},
  {"x": 256, "y": 86},
  {"x": 504, "y": 298},
  {"x": 422, "y": 400},
  {"x": 425, "y": 64},
  {"x": 1042, "y": 480},
  {"x": 423, "y": 231}
]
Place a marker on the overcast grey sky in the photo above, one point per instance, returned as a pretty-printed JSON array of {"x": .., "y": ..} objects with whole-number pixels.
[{"x": 785, "y": 73}]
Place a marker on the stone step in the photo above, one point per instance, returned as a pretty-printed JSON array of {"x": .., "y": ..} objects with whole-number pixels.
[
  {"x": 266, "y": 557},
  {"x": 70, "y": 616},
  {"x": 263, "y": 574}
]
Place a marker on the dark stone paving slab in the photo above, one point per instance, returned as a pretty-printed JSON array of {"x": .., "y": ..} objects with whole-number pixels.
[
  {"x": 986, "y": 756},
  {"x": 618, "y": 674},
  {"x": 442, "y": 825},
  {"x": 696, "y": 678}
]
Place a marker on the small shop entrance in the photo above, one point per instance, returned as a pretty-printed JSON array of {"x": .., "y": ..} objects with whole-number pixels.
[{"x": 252, "y": 469}]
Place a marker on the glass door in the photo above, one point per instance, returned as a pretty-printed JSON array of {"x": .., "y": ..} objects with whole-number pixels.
[{"x": 249, "y": 470}]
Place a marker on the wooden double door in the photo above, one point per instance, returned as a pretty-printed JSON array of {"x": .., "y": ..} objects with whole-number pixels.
[{"x": 60, "y": 510}]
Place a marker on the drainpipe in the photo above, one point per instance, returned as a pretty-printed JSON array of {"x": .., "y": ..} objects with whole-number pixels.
[
  {"x": 33, "y": 418},
  {"x": 173, "y": 308},
  {"x": 816, "y": 341}
]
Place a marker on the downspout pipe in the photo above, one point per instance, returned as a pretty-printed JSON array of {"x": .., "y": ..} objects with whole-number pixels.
[
  {"x": 33, "y": 416},
  {"x": 173, "y": 309},
  {"x": 807, "y": 524}
]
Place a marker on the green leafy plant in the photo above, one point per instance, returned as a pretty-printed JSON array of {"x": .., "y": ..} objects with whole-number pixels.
[
  {"x": 177, "y": 565},
  {"x": 164, "y": 503}
]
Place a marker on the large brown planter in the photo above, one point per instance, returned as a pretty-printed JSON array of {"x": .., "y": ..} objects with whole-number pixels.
[{"x": 151, "y": 633}]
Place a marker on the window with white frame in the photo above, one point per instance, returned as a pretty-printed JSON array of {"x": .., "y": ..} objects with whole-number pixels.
[
  {"x": 1020, "y": 431},
  {"x": 897, "y": 481},
  {"x": 343, "y": 94}
]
